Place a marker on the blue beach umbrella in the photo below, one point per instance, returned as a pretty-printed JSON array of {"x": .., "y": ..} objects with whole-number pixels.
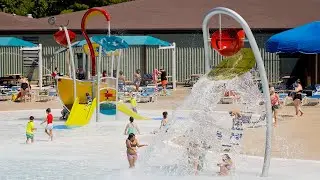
[
  {"x": 303, "y": 39},
  {"x": 144, "y": 41},
  {"x": 110, "y": 43},
  {"x": 132, "y": 41},
  {"x": 12, "y": 41}
]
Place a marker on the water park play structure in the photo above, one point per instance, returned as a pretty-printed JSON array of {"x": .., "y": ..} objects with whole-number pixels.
[
  {"x": 104, "y": 90},
  {"x": 226, "y": 43},
  {"x": 234, "y": 46}
]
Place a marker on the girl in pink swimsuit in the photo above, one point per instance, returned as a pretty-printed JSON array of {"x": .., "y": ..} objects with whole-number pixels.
[
  {"x": 132, "y": 144},
  {"x": 155, "y": 75},
  {"x": 275, "y": 104}
]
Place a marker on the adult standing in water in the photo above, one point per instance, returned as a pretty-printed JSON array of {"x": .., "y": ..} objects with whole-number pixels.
[
  {"x": 132, "y": 144},
  {"x": 164, "y": 80},
  {"x": 137, "y": 79},
  {"x": 297, "y": 97},
  {"x": 25, "y": 89}
]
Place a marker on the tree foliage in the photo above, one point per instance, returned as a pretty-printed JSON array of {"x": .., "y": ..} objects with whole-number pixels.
[{"x": 43, "y": 8}]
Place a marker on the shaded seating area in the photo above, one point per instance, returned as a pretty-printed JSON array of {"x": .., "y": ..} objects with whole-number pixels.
[
  {"x": 15, "y": 86},
  {"x": 303, "y": 40}
]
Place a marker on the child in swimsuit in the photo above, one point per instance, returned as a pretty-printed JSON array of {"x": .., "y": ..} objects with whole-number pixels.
[
  {"x": 225, "y": 166},
  {"x": 193, "y": 152},
  {"x": 131, "y": 128},
  {"x": 49, "y": 121},
  {"x": 132, "y": 144},
  {"x": 137, "y": 79},
  {"x": 88, "y": 98},
  {"x": 121, "y": 82},
  {"x": 164, "y": 121},
  {"x": 275, "y": 104},
  {"x": 30, "y": 129},
  {"x": 133, "y": 103}
]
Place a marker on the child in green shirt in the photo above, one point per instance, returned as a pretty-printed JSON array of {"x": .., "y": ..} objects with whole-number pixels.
[
  {"x": 29, "y": 130},
  {"x": 133, "y": 103}
]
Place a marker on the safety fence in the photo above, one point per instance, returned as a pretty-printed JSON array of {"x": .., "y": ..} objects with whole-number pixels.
[{"x": 189, "y": 60}]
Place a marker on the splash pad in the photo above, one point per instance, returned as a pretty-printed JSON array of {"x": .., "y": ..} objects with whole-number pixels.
[{"x": 205, "y": 130}]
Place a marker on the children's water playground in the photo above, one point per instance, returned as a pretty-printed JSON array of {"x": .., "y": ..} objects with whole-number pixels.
[{"x": 90, "y": 144}]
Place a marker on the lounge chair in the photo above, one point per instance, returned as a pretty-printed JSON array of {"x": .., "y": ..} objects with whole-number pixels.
[
  {"x": 312, "y": 100},
  {"x": 315, "y": 98},
  {"x": 4, "y": 96},
  {"x": 148, "y": 94},
  {"x": 42, "y": 95},
  {"x": 52, "y": 93},
  {"x": 230, "y": 97}
]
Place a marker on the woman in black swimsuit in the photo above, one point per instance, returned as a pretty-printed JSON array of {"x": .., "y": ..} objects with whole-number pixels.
[
  {"x": 24, "y": 88},
  {"x": 297, "y": 97}
]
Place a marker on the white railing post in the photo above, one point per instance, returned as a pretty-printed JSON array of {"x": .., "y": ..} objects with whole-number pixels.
[
  {"x": 71, "y": 55},
  {"x": 40, "y": 66}
]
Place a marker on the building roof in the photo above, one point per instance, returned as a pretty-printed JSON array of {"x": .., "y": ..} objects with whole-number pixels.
[
  {"x": 189, "y": 14},
  {"x": 15, "y": 22}
]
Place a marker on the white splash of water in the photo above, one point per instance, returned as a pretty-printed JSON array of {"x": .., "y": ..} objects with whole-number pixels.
[{"x": 203, "y": 128}]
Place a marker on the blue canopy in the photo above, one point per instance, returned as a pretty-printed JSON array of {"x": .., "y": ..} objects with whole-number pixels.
[
  {"x": 110, "y": 43},
  {"x": 12, "y": 41},
  {"x": 135, "y": 41},
  {"x": 304, "y": 39},
  {"x": 144, "y": 41}
]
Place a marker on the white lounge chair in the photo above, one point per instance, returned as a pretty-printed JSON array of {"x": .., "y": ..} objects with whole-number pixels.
[
  {"x": 312, "y": 100},
  {"x": 43, "y": 95},
  {"x": 148, "y": 94},
  {"x": 230, "y": 97}
]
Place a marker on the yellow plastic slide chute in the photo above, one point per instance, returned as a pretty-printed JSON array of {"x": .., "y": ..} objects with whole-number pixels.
[
  {"x": 126, "y": 110},
  {"x": 65, "y": 91},
  {"x": 80, "y": 114}
]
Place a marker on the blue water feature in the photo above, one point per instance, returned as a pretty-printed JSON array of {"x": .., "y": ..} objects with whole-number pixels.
[
  {"x": 160, "y": 118},
  {"x": 108, "y": 109},
  {"x": 62, "y": 126}
]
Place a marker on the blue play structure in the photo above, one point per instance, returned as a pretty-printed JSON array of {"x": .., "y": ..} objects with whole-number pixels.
[{"x": 108, "y": 108}]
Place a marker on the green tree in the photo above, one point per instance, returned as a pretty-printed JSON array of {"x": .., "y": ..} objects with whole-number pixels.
[{"x": 43, "y": 8}]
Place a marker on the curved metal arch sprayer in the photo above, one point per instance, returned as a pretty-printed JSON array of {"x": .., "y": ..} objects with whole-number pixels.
[
  {"x": 257, "y": 55},
  {"x": 84, "y": 33}
]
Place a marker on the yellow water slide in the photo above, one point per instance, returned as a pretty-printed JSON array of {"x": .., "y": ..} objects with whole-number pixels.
[
  {"x": 65, "y": 91},
  {"x": 80, "y": 114},
  {"x": 126, "y": 110}
]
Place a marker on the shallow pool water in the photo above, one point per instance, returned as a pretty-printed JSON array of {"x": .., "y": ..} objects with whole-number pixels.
[{"x": 97, "y": 151}]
